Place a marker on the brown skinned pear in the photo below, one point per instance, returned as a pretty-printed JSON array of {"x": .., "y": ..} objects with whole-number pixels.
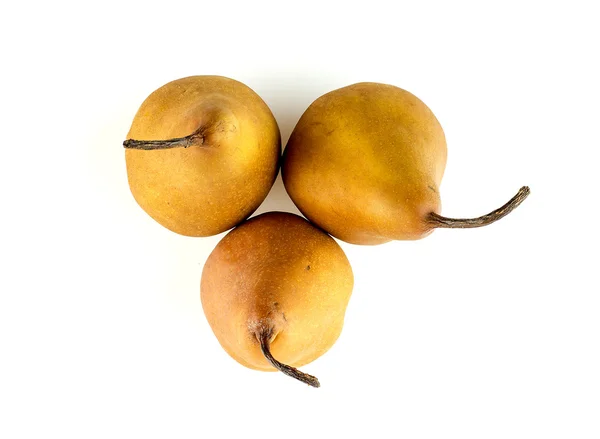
[
  {"x": 202, "y": 154},
  {"x": 365, "y": 163},
  {"x": 274, "y": 291}
]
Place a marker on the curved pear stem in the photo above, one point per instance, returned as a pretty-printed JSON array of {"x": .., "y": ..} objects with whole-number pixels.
[
  {"x": 264, "y": 338},
  {"x": 196, "y": 138},
  {"x": 439, "y": 221}
]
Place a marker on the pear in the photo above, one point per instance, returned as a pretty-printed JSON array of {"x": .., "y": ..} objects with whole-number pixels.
[
  {"x": 365, "y": 163},
  {"x": 202, "y": 154},
  {"x": 274, "y": 291}
]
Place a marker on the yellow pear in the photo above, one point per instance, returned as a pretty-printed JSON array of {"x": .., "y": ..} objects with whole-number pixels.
[
  {"x": 365, "y": 163},
  {"x": 274, "y": 291},
  {"x": 202, "y": 154}
]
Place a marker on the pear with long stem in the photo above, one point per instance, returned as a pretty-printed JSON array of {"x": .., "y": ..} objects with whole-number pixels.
[
  {"x": 202, "y": 154},
  {"x": 275, "y": 291},
  {"x": 365, "y": 163}
]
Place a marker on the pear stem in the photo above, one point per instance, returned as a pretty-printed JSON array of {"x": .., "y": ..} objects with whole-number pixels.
[
  {"x": 438, "y": 221},
  {"x": 264, "y": 338},
  {"x": 196, "y": 138}
]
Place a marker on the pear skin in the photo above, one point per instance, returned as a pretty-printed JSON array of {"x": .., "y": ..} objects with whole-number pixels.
[
  {"x": 202, "y": 154},
  {"x": 365, "y": 163},
  {"x": 274, "y": 291}
]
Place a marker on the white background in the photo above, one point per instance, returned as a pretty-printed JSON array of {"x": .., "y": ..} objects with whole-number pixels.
[{"x": 487, "y": 333}]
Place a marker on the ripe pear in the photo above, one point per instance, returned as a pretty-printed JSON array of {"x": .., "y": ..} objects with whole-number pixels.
[
  {"x": 365, "y": 163},
  {"x": 274, "y": 291},
  {"x": 202, "y": 154}
]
